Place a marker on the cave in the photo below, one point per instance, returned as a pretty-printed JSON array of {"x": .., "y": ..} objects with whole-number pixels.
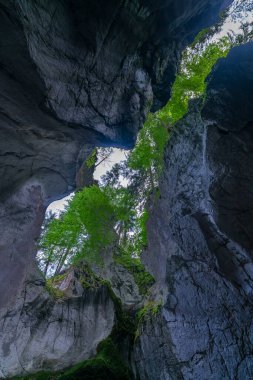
[{"x": 78, "y": 75}]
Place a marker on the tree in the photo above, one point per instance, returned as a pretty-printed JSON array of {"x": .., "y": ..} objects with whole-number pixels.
[
  {"x": 84, "y": 230},
  {"x": 113, "y": 216},
  {"x": 147, "y": 155}
]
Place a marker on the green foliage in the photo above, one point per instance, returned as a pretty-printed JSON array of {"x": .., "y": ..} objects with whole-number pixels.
[
  {"x": 113, "y": 217},
  {"x": 197, "y": 63},
  {"x": 91, "y": 159},
  {"x": 191, "y": 81},
  {"x": 87, "y": 278},
  {"x": 95, "y": 215},
  {"x": 142, "y": 223},
  {"x": 84, "y": 230},
  {"x": 52, "y": 289},
  {"x": 143, "y": 279},
  {"x": 148, "y": 310},
  {"x": 147, "y": 154},
  {"x": 123, "y": 204}
]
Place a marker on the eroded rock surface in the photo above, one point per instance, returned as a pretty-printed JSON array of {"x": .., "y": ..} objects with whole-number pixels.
[
  {"x": 74, "y": 74},
  {"x": 199, "y": 233},
  {"x": 42, "y": 333}
]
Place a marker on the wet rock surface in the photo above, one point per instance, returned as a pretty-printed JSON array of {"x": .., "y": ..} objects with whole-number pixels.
[{"x": 199, "y": 232}]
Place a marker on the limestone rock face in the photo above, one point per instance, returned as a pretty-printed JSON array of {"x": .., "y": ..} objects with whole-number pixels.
[
  {"x": 200, "y": 233},
  {"x": 75, "y": 74},
  {"x": 123, "y": 285},
  {"x": 42, "y": 333}
]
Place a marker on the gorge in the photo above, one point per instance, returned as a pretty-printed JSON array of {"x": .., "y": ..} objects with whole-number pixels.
[{"x": 80, "y": 74}]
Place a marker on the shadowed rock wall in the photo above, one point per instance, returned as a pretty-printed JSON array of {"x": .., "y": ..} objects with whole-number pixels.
[
  {"x": 200, "y": 242},
  {"x": 74, "y": 74}
]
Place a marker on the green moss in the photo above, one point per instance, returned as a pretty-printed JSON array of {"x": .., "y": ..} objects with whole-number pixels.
[
  {"x": 91, "y": 159},
  {"x": 143, "y": 279},
  {"x": 87, "y": 277},
  {"x": 56, "y": 293},
  {"x": 191, "y": 81},
  {"x": 107, "y": 364},
  {"x": 149, "y": 310}
]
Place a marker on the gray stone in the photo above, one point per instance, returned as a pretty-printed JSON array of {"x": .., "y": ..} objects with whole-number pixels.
[
  {"x": 200, "y": 248},
  {"x": 41, "y": 333},
  {"x": 75, "y": 74}
]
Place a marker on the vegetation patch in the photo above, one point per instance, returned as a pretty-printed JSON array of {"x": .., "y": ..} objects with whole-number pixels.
[
  {"x": 111, "y": 218},
  {"x": 142, "y": 278},
  {"x": 53, "y": 290},
  {"x": 91, "y": 159},
  {"x": 86, "y": 276},
  {"x": 148, "y": 311}
]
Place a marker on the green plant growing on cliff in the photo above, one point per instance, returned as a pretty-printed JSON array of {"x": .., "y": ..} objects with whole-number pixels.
[
  {"x": 147, "y": 155},
  {"x": 197, "y": 64},
  {"x": 143, "y": 279},
  {"x": 97, "y": 157},
  {"x": 198, "y": 60},
  {"x": 111, "y": 216},
  {"x": 91, "y": 159},
  {"x": 56, "y": 293},
  {"x": 95, "y": 220}
]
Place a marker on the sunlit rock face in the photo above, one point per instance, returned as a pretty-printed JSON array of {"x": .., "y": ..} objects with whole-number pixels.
[
  {"x": 200, "y": 234},
  {"x": 73, "y": 74}
]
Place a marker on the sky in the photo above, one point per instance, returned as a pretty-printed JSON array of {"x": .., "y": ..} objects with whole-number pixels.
[
  {"x": 241, "y": 11},
  {"x": 116, "y": 156}
]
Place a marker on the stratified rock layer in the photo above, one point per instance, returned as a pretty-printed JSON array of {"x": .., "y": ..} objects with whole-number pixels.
[{"x": 200, "y": 245}]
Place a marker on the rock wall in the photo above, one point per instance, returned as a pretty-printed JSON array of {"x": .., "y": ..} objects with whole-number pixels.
[
  {"x": 200, "y": 245},
  {"x": 74, "y": 74},
  {"x": 42, "y": 333}
]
